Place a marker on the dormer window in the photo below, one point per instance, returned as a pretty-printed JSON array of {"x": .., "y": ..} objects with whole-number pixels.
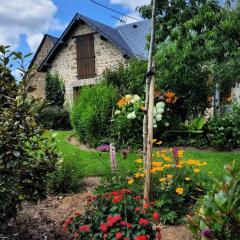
[{"x": 85, "y": 56}]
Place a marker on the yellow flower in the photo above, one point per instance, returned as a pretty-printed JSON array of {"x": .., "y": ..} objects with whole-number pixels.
[
  {"x": 141, "y": 174},
  {"x": 179, "y": 190},
  {"x": 180, "y": 153},
  {"x": 196, "y": 170},
  {"x": 167, "y": 165},
  {"x": 153, "y": 170},
  {"x": 204, "y": 164},
  {"x": 156, "y": 164},
  {"x": 159, "y": 169},
  {"x": 179, "y": 166},
  {"x": 154, "y": 140},
  {"x": 159, "y": 142},
  {"x": 139, "y": 160},
  {"x": 169, "y": 176},
  {"x": 162, "y": 179},
  {"x": 130, "y": 181},
  {"x": 187, "y": 178},
  {"x": 137, "y": 175},
  {"x": 166, "y": 158}
]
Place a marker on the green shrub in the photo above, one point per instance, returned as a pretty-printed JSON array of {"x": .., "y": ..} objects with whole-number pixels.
[
  {"x": 65, "y": 180},
  {"x": 54, "y": 90},
  {"x": 223, "y": 132},
  {"x": 115, "y": 215},
  {"x": 54, "y": 117},
  {"x": 218, "y": 213},
  {"x": 26, "y": 156},
  {"x": 91, "y": 114},
  {"x": 128, "y": 78}
]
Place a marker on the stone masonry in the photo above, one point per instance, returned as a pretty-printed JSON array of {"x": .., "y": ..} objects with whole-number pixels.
[
  {"x": 38, "y": 81},
  {"x": 65, "y": 62}
]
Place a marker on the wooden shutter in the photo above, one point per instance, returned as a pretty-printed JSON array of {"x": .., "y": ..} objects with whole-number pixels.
[{"x": 85, "y": 56}]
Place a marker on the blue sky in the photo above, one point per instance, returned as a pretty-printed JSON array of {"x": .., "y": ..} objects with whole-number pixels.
[{"x": 24, "y": 22}]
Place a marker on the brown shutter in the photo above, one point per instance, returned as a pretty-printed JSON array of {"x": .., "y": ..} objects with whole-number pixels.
[{"x": 85, "y": 56}]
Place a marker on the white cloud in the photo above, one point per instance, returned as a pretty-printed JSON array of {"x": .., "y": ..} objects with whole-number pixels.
[
  {"x": 131, "y": 5},
  {"x": 31, "y": 18}
]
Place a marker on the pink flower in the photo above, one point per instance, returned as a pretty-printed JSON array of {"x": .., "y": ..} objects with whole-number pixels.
[
  {"x": 118, "y": 235},
  {"x": 155, "y": 216},
  {"x": 143, "y": 221},
  {"x": 103, "y": 227},
  {"x": 84, "y": 228}
]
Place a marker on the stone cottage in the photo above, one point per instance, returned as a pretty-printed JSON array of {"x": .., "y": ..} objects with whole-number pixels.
[{"x": 84, "y": 50}]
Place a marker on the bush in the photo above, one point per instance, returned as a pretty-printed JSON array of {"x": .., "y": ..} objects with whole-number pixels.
[
  {"x": 115, "y": 215},
  {"x": 217, "y": 216},
  {"x": 26, "y": 156},
  {"x": 65, "y": 180},
  {"x": 176, "y": 184},
  {"x": 54, "y": 117},
  {"x": 223, "y": 132},
  {"x": 54, "y": 90},
  {"x": 128, "y": 78},
  {"x": 91, "y": 114}
]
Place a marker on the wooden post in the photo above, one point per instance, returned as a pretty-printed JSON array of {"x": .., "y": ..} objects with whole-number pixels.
[
  {"x": 148, "y": 167},
  {"x": 148, "y": 79}
]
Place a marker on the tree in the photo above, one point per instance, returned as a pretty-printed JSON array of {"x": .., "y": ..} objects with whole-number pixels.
[
  {"x": 199, "y": 46},
  {"x": 26, "y": 156}
]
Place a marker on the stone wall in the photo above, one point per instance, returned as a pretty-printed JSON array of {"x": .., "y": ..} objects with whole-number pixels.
[
  {"x": 65, "y": 63},
  {"x": 38, "y": 81}
]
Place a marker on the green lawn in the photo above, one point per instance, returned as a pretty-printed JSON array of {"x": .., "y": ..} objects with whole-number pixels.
[{"x": 92, "y": 163}]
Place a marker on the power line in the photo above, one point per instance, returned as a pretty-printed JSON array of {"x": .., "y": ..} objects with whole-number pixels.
[{"x": 104, "y": 6}]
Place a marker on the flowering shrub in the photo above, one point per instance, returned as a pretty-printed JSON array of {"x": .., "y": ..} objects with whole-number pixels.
[
  {"x": 217, "y": 216},
  {"x": 116, "y": 215},
  {"x": 176, "y": 183},
  {"x": 103, "y": 148}
]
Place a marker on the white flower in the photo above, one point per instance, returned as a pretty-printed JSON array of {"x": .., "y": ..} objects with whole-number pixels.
[
  {"x": 136, "y": 98},
  {"x": 159, "y": 117},
  {"x": 154, "y": 121},
  {"x": 154, "y": 111},
  {"x": 154, "y": 125},
  {"x": 166, "y": 124},
  {"x": 160, "y": 110},
  {"x": 117, "y": 112},
  {"x": 160, "y": 105},
  {"x": 133, "y": 101},
  {"x": 131, "y": 115}
]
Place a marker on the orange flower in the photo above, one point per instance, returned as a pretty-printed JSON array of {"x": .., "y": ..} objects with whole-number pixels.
[
  {"x": 169, "y": 94},
  {"x": 121, "y": 102}
]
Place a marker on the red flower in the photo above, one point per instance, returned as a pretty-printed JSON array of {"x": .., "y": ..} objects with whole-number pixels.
[
  {"x": 146, "y": 206},
  {"x": 128, "y": 225},
  {"x": 111, "y": 220},
  {"x": 84, "y": 228},
  {"x": 103, "y": 227},
  {"x": 141, "y": 237},
  {"x": 155, "y": 216},
  {"x": 138, "y": 198},
  {"x": 124, "y": 190},
  {"x": 143, "y": 221},
  {"x": 118, "y": 199},
  {"x": 137, "y": 209},
  {"x": 115, "y": 193},
  {"x": 91, "y": 198},
  {"x": 77, "y": 214},
  {"x": 126, "y": 238},
  {"x": 118, "y": 235}
]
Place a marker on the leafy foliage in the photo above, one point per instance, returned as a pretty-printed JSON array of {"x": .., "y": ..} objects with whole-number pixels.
[
  {"x": 26, "y": 156},
  {"x": 223, "y": 131},
  {"x": 218, "y": 213},
  {"x": 54, "y": 90},
  {"x": 115, "y": 215},
  {"x": 92, "y": 112}
]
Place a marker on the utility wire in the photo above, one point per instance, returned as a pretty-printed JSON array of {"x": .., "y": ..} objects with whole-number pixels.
[{"x": 104, "y": 6}]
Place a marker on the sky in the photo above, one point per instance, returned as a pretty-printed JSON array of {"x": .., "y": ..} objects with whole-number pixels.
[{"x": 24, "y": 22}]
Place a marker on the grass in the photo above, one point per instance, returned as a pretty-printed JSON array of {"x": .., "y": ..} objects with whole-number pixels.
[{"x": 92, "y": 163}]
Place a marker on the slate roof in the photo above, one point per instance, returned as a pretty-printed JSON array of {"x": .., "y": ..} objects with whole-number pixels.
[
  {"x": 129, "y": 38},
  {"x": 51, "y": 38}
]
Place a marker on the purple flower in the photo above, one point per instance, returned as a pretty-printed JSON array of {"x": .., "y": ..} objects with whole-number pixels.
[
  {"x": 103, "y": 148},
  {"x": 207, "y": 233},
  {"x": 175, "y": 152}
]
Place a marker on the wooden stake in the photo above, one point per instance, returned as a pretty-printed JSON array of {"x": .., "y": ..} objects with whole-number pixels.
[
  {"x": 147, "y": 185},
  {"x": 148, "y": 79}
]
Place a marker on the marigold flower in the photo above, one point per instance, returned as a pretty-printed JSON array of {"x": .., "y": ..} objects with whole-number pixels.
[
  {"x": 196, "y": 170},
  {"x": 180, "y": 153},
  {"x": 179, "y": 166},
  {"x": 179, "y": 190},
  {"x": 156, "y": 164},
  {"x": 131, "y": 181},
  {"x": 162, "y": 179},
  {"x": 166, "y": 158}
]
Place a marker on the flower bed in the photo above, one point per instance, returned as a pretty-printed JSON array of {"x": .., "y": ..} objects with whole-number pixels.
[{"x": 116, "y": 215}]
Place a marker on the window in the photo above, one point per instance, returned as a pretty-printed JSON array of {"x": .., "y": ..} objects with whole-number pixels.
[{"x": 85, "y": 56}]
